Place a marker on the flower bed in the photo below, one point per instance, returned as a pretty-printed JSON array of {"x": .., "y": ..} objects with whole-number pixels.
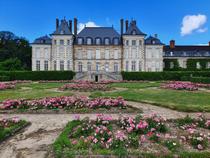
[
  {"x": 179, "y": 85},
  {"x": 85, "y": 87},
  {"x": 149, "y": 135},
  {"x": 69, "y": 103},
  {"x": 7, "y": 85},
  {"x": 9, "y": 127}
]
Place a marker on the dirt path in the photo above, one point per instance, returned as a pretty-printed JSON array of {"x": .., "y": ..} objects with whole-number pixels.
[{"x": 36, "y": 139}]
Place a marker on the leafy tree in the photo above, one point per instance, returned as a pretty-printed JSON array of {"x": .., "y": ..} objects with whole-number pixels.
[{"x": 11, "y": 64}]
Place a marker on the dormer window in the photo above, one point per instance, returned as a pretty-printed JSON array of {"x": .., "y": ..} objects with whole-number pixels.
[
  {"x": 133, "y": 32},
  {"x": 171, "y": 53},
  {"x": 79, "y": 40},
  {"x": 62, "y": 32},
  {"x": 116, "y": 41},
  {"x": 89, "y": 41},
  {"x": 153, "y": 41},
  {"x": 107, "y": 41},
  {"x": 98, "y": 41}
]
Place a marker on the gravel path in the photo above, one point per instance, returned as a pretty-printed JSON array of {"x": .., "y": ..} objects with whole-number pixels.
[{"x": 36, "y": 140}]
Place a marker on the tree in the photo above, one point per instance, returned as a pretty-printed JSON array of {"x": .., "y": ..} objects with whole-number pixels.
[{"x": 11, "y": 64}]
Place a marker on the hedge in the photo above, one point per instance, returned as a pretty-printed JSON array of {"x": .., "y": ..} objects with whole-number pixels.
[
  {"x": 37, "y": 75},
  {"x": 165, "y": 75},
  {"x": 200, "y": 79}
]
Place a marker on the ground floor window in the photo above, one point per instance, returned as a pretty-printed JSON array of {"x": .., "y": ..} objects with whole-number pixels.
[
  {"x": 133, "y": 66},
  {"x": 38, "y": 65},
  {"x": 198, "y": 65},
  {"x": 80, "y": 67},
  {"x": 55, "y": 65},
  {"x": 127, "y": 65},
  {"x": 45, "y": 65},
  {"x": 97, "y": 66},
  {"x": 89, "y": 66},
  {"x": 61, "y": 65},
  {"x": 115, "y": 67},
  {"x": 107, "y": 67},
  {"x": 171, "y": 65},
  {"x": 68, "y": 65}
]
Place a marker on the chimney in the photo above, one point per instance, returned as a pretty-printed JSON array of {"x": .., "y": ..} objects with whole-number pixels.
[
  {"x": 156, "y": 35},
  {"x": 75, "y": 26},
  {"x": 172, "y": 44},
  {"x": 57, "y": 23},
  {"x": 70, "y": 25},
  {"x": 122, "y": 26},
  {"x": 126, "y": 25}
]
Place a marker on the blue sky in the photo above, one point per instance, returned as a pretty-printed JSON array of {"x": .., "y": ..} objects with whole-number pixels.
[{"x": 186, "y": 21}]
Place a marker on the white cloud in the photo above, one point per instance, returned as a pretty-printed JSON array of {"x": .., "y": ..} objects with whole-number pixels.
[
  {"x": 88, "y": 24},
  {"x": 192, "y": 23}
]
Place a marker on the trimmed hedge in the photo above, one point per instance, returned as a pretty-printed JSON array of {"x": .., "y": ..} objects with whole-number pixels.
[
  {"x": 200, "y": 79},
  {"x": 165, "y": 75},
  {"x": 38, "y": 75}
]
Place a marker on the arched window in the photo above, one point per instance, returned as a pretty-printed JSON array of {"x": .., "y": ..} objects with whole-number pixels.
[
  {"x": 98, "y": 41},
  {"x": 107, "y": 41},
  {"x": 97, "y": 66},
  {"x": 116, "y": 41},
  {"x": 79, "y": 40},
  {"x": 89, "y": 66},
  {"x": 89, "y": 41}
]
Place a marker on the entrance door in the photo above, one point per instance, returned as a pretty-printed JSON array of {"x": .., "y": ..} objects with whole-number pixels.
[{"x": 96, "y": 78}]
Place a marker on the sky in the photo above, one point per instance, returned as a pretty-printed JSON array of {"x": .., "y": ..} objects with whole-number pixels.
[{"x": 186, "y": 21}]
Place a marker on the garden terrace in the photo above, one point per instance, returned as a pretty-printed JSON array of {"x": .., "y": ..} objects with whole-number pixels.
[
  {"x": 144, "y": 135},
  {"x": 70, "y": 104},
  {"x": 9, "y": 127}
]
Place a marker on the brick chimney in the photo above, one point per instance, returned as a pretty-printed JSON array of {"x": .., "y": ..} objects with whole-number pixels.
[
  {"x": 126, "y": 25},
  {"x": 122, "y": 26},
  {"x": 75, "y": 26},
  {"x": 57, "y": 23},
  {"x": 172, "y": 44},
  {"x": 70, "y": 25}
]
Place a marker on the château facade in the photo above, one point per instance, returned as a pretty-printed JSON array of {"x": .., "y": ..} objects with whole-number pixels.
[{"x": 97, "y": 53}]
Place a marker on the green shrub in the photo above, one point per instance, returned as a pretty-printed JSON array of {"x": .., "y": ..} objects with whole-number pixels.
[
  {"x": 4, "y": 78},
  {"x": 200, "y": 79},
  {"x": 165, "y": 75},
  {"x": 38, "y": 75}
]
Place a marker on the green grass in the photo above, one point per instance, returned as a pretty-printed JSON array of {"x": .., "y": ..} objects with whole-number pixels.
[
  {"x": 33, "y": 90},
  {"x": 197, "y": 101}
]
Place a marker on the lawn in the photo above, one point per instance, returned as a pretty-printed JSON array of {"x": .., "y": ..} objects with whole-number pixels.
[
  {"x": 151, "y": 93},
  {"x": 33, "y": 90}
]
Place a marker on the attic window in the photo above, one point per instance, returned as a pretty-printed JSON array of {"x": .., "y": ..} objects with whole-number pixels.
[
  {"x": 79, "y": 41},
  {"x": 116, "y": 41},
  {"x": 153, "y": 41},
  {"x": 89, "y": 41},
  {"x": 62, "y": 32},
  {"x": 106, "y": 41},
  {"x": 133, "y": 32},
  {"x": 98, "y": 41}
]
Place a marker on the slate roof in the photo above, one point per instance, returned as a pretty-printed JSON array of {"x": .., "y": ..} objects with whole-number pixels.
[
  {"x": 43, "y": 40},
  {"x": 98, "y": 32},
  {"x": 187, "y": 51},
  {"x": 132, "y": 27},
  {"x": 63, "y": 29},
  {"x": 153, "y": 41}
]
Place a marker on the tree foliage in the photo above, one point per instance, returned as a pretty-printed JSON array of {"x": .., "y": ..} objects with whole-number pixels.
[{"x": 14, "y": 50}]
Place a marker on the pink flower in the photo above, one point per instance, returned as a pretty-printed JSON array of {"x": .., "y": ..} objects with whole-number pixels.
[
  {"x": 76, "y": 117},
  {"x": 74, "y": 142},
  {"x": 142, "y": 125},
  {"x": 95, "y": 140},
  {"x": 109, "y": 140},
  {"x": 120, "y": 135},
  {"x": 200, "y": 147},
  {"x": 143, "y": 138}
]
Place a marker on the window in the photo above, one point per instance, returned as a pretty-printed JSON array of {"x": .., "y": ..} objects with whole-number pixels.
[
  {"x": 37, "y": 50},
  {"x": 107, "y": 54},
  {"x": 127, "y": 42},
  {"x": 89, "y": 54},
  {"x": 115, "y": 67},
  {"x": 61, "y": 42},
  {"x": 171, "y": 53},
  {"x": 115, "y": 54},
  {"x": 55, "y": 65},
  {"x": 80, "y": 54},
  {"x": 79, "y": 40},
  {"x": 133, "y": 32},
  {"x": 55, "y": 42},
  {"x": 139, "y": 66},
  {"x": 45, "y": 65},
  {"x": 107, "y": 41},
  {"x": 140, "y": 43},
  {"x": 133, "y": 53},
  {"x": 106, "y": 67},
  {"x": 133, "y": 66},
  {"x": 89, "y": 66},
  {"x": 116, "y": 41},
  {"x": 38, "y": 65},
  {"x": 98, "y": 54},
  {"x": 126, "y": 53},
  {"x": 80, "y": 66},
  {"x": 45, "y": 53},
  {"x": 97, "y": 66},
  {"x": 133, "y": 42},
  {"x": 127, "y": 66},
  {"x": 68, "y": 65},
  {"x": 198, "y": 66},
  {"x": 153, "y": 41},
  {"x": 89, "y": 41},
  {"x": 98, "y": 41},
  {"x": 61, "y": 65},
  {"x": 171, "y": 65},
  {"x": 68, "y": 42}
]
